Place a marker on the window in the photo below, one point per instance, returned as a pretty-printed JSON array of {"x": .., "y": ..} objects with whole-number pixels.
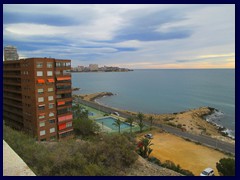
[
  {"x": 52, "y": 121},
  {"x": 40, "y": 99},
  {"x": 39, "y": 64},
  {"x": 42, "y": 133},
  {"x": 41, "y": 116},
  {"x": 40, "y": 91},
  {"x": 39, "y": 73},
  {"x": 52, "y": 130},
  {"x": 50, "y": 98},
  {"x": 52, "y": 138},
  {"x": 51, "y": 114},
  {"x": 50, "y": 89},
  {"x": 49, "y": 65},
  {"x": 41, "y": 124},
  {"x": 50, "y": 106},
  {"x": 41, "y": 107},
  {"x": 49, "y": 73},
  {"x": 57, "y": 72},
  {"x": 69, "y": 124}
]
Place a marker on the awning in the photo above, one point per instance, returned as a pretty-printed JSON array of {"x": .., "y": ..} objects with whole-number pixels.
[
  {"x": 41, "y": 114},
  {"x": 65, "y": 131},
  {"x": 63, "y": 78},
  {"x": 41, "y": 105},
  {"x": 51, "y": 80},
  {"x": 62, "y": 126},
  {"x": 40, "y": 81},
  {"x": 61, "y": 103}
]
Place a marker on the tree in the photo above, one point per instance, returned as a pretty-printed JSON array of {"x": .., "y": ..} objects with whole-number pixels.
[
  {"x": 140, "y": 117},
  {"x": 144, "y": 149},
  {"x": 118, "y": 123},
  {"x": 77, "y": 110},
  {"x": 151, "y": 122},
  {"x": 226, "y": 167},
  {"x": 85, "y": 126},
  {"x": 130, "y": 120}
]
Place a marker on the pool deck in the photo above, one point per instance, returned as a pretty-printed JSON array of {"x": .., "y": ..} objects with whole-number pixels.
[{"x": 99, "y": 114}]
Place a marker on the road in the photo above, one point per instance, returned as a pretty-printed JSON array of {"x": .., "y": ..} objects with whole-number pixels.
[{"x": 205, "y": 140}]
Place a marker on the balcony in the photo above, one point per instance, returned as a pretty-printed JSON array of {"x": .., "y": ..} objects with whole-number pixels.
[
  {"x": 12, "y": 68},
  {"x": 13, "y": 91},
  {"x": 12, "y": 75},
  {"x": 13, "y": 104},
  {"x": 11, "y": 110},
  {"x": 63, "y": 91},
  {"x": 8, "y": 115},
  {"x": 12, "y": 83},
  {"x": 13, "y": 97}
]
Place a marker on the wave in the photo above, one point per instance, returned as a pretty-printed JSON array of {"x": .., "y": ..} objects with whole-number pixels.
[{"x": 214, "y": 118}]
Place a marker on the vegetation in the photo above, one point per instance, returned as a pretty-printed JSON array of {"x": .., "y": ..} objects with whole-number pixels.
[
  {"x": 118, "y": 123},
  {"x": 151, "y": 122},
  {"x": 105, "y": 156},
  {"x": 79, "y": 112},
  {"x": 170, "y": 165},
  {"x": 226, "y": 167},
  {"x": 130, "y": 120},
  {"x": 85, "y": 127},
  {"x": 140, "y": 117},
  {"x": 143, "y": 147}
]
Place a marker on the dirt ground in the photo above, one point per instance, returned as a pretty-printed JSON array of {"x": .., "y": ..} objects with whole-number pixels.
[{"x": 187, "y": 154}]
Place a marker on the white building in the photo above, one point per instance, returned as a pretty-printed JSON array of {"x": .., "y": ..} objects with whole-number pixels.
[{"x": 10, "y": 53}]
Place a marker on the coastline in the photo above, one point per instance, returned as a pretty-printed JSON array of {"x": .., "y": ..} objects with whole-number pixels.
[{"x": 194, "y": 121}]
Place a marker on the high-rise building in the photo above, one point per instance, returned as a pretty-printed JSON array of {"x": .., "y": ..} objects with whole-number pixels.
[
  {"x": 37, "y": 97},
  {"x": 10, "y": 53}
]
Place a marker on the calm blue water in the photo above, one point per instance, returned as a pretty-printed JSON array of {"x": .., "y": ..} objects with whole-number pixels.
[
  {"x": 165, "y": 91},
  {"x": 108, "y": 121}
]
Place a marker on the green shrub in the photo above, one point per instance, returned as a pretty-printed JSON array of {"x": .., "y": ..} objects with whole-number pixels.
[
  {"x": 85, "y": 127},
  {"x": 71, "y": 158},
  {"x": 170, "y": 165},
  {"x": 226, "y": 167}
]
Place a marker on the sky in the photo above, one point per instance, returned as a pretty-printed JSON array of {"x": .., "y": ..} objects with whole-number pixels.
[{"x": 136, "y": 36}]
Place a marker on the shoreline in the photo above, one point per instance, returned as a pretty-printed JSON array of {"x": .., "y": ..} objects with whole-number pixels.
[{"x": 193, "y": 121}]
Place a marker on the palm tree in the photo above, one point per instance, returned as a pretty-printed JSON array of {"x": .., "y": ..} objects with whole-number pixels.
[
  {"x": 130, "y": 120},
  {"x": 144, "y": 147},
  {"x": 140, "y": 117},
  {"x": 77, "y": 110},
  {"x": 118, "y": 123},
  {"x": 151, "y": 122}
]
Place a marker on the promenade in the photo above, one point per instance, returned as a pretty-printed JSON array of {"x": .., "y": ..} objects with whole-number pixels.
[{"x": 204, "y": 140}]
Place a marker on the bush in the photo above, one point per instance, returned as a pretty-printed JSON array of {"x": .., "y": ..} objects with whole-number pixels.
[
  {"x": 70, "y": 158},
  {"x": 170, "y": 165},
  {"x": 226, "y": 167},
  {"x": 154, "y": 160},
  {"x": 85, "y": 127}
]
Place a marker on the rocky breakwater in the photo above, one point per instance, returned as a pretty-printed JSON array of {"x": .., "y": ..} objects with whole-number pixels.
[
  {"x": 192, "y": 121},
  {"x": 94, "y": 96}
]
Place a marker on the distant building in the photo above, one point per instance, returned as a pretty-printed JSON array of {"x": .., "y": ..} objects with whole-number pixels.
[
  {"x": 37, "y": 97},
  {"x": 93, "y": 67},
  {"x": 10, "y": 53},
  {"x": 80, "y": 68}
]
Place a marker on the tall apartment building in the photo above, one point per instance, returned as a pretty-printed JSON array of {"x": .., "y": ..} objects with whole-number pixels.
[
  {"x": 37, "y": 97},
  {"x": 10, "y": 53}
]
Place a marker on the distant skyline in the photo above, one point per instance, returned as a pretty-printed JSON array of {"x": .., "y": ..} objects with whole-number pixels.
[{"x": 130, "y": 36}]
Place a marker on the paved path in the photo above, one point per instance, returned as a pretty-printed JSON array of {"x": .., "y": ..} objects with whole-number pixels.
[{"x": 206, "y": 140}]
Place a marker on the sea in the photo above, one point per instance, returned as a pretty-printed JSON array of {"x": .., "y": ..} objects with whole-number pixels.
[{"x": 165, "y": 91}]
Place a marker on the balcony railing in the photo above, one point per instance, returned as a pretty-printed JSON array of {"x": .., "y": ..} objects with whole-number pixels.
[{"x": 11, "y": 96}]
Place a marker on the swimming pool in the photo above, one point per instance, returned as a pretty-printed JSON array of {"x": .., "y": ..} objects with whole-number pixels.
[{"x": 108, "y": 121}]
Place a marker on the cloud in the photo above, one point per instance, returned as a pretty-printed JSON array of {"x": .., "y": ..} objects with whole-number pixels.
[{"x": 135, "y": 36}]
